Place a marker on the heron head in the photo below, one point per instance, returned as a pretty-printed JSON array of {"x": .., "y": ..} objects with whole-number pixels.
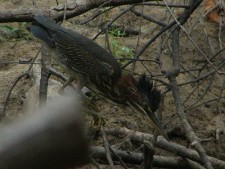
[
  {"x": 150, "y": 95},
  {"x": 142, "y": 96},
  {"x": 140, "y": 92},
  {"x": 147, "y": 101}
]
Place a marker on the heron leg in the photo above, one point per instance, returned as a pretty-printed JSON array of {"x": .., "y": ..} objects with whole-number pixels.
[
  {"x": 89, "y": 104},
  {"x": 80, "y": 86},
  {"x": 61, "y": 90}
]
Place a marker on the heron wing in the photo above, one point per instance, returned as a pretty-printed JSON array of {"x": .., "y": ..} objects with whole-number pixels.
[{"x": 81, "y": 54}]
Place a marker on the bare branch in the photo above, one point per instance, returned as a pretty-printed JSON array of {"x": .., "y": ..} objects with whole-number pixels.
[
  {"x": 158, "y": 161},
  {"x": 138, "y": 137},
  {"x": 73, "y": 9},
  {"x": 190, "y": 134}
]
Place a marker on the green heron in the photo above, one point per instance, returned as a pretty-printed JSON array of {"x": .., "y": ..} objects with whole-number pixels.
[{"x": 97, "y": 69}]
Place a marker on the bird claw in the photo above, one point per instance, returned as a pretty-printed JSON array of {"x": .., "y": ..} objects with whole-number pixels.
[{"x": 98, "y": 121}]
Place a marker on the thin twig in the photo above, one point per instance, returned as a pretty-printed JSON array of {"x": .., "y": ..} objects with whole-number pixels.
[
  {"x": 16, "y": 81},
  {"x": 107, "y": 150},
  {"x": 118, "y": 157},
  {"x": 219, "y": 66},
  {"x": 149, "y": 18},
  {"x": 95, "y": 163},
  {"x": 96, "y": 15},
  {"x": 192, "y": 41}
]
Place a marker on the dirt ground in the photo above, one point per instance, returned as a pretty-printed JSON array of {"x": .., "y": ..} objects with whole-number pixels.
[{"x": 205, "y": 118}]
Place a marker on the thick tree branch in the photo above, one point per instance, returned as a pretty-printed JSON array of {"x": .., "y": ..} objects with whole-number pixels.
[
  {"x": 137, "y": 158},
  {"x": 138, "y": 137},
  {"x": 73, "y": 9},
  {"x": 190, "y": 134}
]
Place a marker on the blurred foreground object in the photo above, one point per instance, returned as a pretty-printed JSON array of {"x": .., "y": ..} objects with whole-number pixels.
[{"x": 52, "y": 138}]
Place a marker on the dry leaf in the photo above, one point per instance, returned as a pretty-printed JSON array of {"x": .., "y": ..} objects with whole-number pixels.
[{"x": 213, "y": 15}]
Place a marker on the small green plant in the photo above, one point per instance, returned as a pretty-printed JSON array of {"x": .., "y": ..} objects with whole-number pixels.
[
  {"x": 14, "y": 32},
  {"x": 120, "y": 51},
  {"x": 117, "y": 33}
]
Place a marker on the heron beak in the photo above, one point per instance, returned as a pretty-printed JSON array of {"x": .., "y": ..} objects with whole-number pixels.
[{"x": 153, "y": 119}]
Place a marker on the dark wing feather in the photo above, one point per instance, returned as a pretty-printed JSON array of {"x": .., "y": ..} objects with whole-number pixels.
[{"x": 77, "y": 57}]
